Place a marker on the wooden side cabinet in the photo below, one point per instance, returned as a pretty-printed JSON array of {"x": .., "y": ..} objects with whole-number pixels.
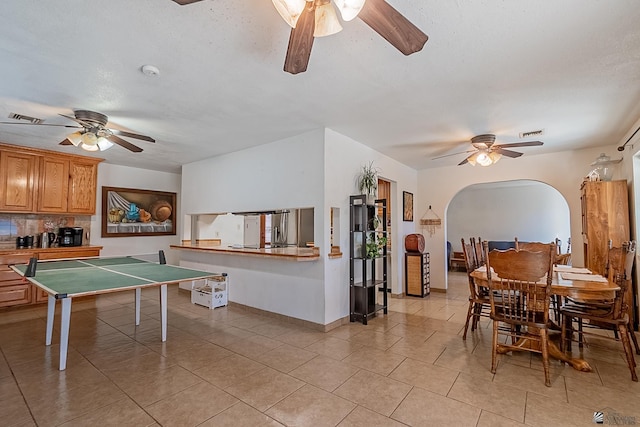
[
  {"x": 18, "y": 174},
  {"x": 605, "y": 216},
  {"x": 417, "y": 274}
]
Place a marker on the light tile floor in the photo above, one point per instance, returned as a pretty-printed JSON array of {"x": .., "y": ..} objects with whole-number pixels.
[{"x": 230, "y": 367}]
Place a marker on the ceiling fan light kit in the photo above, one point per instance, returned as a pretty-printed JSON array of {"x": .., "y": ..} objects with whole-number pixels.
[
  {"x": 486, "y": 153},
  {"x": 484, "y": 158}
]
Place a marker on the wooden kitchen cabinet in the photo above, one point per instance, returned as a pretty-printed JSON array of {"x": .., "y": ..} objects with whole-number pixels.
[
  {"x": 15, "y": 290},
  {"x": 18, "y": 174},
  {"x": 54, "y": 184},
  {"x": 41, "y": 181},
  {"x": 83, "y": 177}
]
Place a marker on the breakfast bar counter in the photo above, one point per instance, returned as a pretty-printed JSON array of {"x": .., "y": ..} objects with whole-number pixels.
[{"x": 289, "y": 253}]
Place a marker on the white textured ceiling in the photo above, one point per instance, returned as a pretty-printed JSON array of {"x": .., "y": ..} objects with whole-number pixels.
[{"x": 570, "y": 67}]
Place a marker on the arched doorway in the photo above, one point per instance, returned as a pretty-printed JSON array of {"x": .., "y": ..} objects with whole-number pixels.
[{"x": 527, "y": 209}]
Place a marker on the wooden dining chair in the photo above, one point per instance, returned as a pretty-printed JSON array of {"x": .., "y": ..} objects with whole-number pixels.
[
  {"x": 535, "y": 246},
  {"x": 479, "y": 304},
  {"x": 478, "y": 251},
  {"x": 610, "y": 315},
  {"x": 543, "y": 247},
  {"x": 519, "y": 293}
]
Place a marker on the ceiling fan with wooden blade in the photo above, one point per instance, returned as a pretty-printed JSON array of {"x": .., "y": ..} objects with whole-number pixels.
[
  {"x": 317, "y": 18},
  {"x": 486, "y": 153},
  {"x": 93, "y": 133},
  {"x": 300, "y": 43}
]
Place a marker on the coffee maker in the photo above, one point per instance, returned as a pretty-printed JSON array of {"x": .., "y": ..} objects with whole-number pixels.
[{"x": 70, "y": 236}]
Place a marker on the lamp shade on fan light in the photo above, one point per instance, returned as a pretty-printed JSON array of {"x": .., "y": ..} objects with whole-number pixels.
[
  {"x": 484, "y": 159},
  {"x": 326, "y": 20},
  {"x": 349, "y": 9},
  {"x": 290, "y": 10},
  {"x": 75, "y": 138},
  {"x": 89, "y": 141}
]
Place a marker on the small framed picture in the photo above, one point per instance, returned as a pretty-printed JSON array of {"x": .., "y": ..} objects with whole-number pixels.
[{"x": 407, "y": 206}]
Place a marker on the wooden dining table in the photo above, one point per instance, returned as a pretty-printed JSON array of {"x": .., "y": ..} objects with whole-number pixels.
[{"x": 566, "y": 282}]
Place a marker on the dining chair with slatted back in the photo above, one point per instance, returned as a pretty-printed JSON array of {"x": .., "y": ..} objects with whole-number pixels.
[
  {"x": 473, "y": 253},
  {"x": 520, "y": 289},
  {"x": 479, "y": 304},
  {"x": 543, "y": 247},
  {"x": 477, "y": 247},
  {"x": 611, "y": 315}
]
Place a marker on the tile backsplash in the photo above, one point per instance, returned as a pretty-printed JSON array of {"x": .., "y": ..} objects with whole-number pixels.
[{"x": 15, "y": 225}]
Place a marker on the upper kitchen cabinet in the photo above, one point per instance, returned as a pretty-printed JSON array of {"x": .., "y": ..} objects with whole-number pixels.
[
  {"x": 47, "y": 182},
  {"x": 18, "y": 176},
  {"x": 53, "y": 185},
  {"x": 83, "y": 176}
]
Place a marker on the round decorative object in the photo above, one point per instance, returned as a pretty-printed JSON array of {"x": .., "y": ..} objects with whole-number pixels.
[
  {"x": 160, "y": 210},
  {"x": 414, "y": 243}
]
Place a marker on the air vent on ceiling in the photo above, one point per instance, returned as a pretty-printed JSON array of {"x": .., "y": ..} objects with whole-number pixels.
[
  {"x": 33, "y": 120},
  {"x": 531, "y": 133}
]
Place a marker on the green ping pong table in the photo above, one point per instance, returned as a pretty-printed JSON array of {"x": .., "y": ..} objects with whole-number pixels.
[{"x": 67, "y": 279}]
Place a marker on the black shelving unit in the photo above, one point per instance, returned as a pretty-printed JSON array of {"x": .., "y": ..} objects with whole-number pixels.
[{"x": 367, "y": 268}]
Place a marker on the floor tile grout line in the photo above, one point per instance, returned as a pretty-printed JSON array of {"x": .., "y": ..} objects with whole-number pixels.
[{"x": 17, "y": 384}]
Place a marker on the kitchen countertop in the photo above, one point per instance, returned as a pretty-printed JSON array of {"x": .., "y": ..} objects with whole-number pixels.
[
  {"x": 289, "y": 253},
  {"x": 12, "y": 250}
]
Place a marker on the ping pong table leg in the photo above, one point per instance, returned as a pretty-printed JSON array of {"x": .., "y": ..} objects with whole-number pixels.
[
  {"x": 138, "y": 297},
  {"x": 51, "y": 309},
  {"x": 163, "y": 311},
  {"x": 64, "y": 331}
]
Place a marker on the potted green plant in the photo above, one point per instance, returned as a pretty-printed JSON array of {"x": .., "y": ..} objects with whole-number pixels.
[
  {"x": 368, "y": 182},
  {"x": 375, "y": 244}
]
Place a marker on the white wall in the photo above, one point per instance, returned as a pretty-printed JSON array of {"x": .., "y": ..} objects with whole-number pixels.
[
  {"x": 344, "y": 158},
  {"x": 317, "y": 169},
  {"x": 529, "y": 210},
  {"x": 563, "y": 170},
  {"x": 284, "y": 174},
  {"x": 143, "y": 179}
]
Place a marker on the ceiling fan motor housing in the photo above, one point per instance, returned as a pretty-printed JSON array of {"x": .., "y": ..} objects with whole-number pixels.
[
  {"x": 97, "y": 119},
  {"x": 483, "y": 141}
]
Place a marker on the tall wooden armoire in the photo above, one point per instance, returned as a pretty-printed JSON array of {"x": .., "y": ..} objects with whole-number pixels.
[{"x": 605, "y": 216}]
